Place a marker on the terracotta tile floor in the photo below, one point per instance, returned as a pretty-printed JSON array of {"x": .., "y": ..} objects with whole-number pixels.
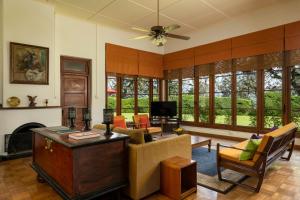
[{"x": 18, "y": 182}]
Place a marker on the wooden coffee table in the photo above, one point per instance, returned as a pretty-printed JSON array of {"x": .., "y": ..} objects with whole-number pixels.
[{"x": 198, "y": 141}]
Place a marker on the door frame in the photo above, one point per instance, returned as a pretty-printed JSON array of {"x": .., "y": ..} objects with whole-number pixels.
[{"x": 88, "y": 74}]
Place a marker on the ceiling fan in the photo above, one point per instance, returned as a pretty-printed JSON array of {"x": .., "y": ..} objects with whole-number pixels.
[{"x": 159, "y": 33}]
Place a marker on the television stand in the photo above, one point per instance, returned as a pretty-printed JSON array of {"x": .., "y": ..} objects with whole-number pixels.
[{"x": 167, "y": 124}]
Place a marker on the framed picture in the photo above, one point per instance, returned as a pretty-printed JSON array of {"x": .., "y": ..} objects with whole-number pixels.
[{"x": 29, "y": 64}]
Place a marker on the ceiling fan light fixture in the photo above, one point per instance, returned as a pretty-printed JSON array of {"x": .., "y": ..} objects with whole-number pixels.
[{"x": 159, "y": 40}]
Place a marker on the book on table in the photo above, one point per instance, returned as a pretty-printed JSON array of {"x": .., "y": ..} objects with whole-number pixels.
[{"x": 84, "y": 135}]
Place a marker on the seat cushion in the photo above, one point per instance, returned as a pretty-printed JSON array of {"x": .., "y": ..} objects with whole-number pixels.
[
  {"x": 152, "y": 130},
  {"x": 234, "y": 155}
]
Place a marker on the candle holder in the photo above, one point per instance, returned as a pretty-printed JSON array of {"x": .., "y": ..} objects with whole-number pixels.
[
  {"x": 86, "y": 117},
  {"x": 72, "y": 117},
  {"x": 108, "y": 119}
]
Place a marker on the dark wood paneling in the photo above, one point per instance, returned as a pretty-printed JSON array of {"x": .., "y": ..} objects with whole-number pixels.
[{"x": 98, "y": 172}]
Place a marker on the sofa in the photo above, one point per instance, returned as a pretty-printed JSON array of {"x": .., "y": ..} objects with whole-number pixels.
[
  {"x": 145, "y": 158},
  {"x": 273, "y": 146}
]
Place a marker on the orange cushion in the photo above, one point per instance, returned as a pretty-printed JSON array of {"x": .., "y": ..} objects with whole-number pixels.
[
  {"x": 144, "y": 122},
  {"x": 119, "y": 123}
]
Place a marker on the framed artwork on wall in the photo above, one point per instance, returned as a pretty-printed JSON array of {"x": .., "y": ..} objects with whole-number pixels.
[{"x": 29, "y": 64}]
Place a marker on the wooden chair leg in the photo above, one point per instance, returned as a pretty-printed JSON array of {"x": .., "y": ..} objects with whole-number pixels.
[
  {"x": 290, "y": 150},
  {"x": 260, "y": 181}
]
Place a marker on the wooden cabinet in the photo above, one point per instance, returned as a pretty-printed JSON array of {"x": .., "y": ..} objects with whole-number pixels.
[
  {"x": 178, "y": 177},
  {"x": 84, "y": 169}
]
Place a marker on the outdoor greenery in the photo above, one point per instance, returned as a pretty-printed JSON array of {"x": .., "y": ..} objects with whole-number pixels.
[{"x": 246, "y": 90}]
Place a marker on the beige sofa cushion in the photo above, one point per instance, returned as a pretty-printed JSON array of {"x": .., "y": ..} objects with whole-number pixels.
[
  {"x": 144, "y": 163},
  {"x": 136, "y": 135}
]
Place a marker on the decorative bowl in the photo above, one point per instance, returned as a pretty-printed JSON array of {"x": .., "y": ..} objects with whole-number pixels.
[{"x": 13, "y": 101}]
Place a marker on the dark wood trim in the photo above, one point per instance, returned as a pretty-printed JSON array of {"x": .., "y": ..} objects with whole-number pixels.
[
  {"x": 233, "y": 95},
  {"x": 119, "y": 94},
  {"x": 136, "y": 90},
  {"x": 212, "y": 96},
  {"x": 180, "y": 95},
  {"x": 29, "y": 108},
  {"x": 196, "y": 97}
]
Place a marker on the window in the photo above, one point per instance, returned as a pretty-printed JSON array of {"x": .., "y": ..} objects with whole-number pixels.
[
  {"x": 155, "y": 89},
  {"x": 143, "y": 95},
  {"x": 273, "y": 97},
  {"x": 295, "y": 94},
  {"x": 204, "y": 99},
  {"x": 173, "y": 91},
  {"x": 127, "y": 98},
  {"x": 246, "y": 91},
  {"x": 111, "y": 92},
  {"x": 188, "y": 99},
  {"x": 222, "y": 100}
]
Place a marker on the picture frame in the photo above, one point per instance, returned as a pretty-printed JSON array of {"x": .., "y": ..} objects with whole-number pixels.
[{"x": 29, "y": 64}]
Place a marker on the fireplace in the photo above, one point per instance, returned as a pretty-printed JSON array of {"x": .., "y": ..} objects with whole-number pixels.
[{"x": 19, "y": 143}]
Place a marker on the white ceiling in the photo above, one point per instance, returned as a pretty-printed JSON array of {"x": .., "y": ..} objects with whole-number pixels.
[{"x": 191, "y": 15}]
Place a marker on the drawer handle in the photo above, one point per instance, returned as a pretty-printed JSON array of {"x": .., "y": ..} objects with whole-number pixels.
[{"x": 48, "y": 144}]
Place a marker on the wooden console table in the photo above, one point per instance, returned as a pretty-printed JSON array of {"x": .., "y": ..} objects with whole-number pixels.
[{"x": 81, "y": 169}]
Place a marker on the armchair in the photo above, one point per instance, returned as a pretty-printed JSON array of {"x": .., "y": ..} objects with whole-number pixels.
[{"x": 142, "y": 121}]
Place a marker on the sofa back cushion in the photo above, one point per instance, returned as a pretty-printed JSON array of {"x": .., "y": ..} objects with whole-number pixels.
[{"x": 136, "y": 135}]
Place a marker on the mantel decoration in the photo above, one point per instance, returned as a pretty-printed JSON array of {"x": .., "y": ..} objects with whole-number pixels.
[
  {"x": 32, "y": 99},
  {"x": 29, "y": 64},
  {"x": 108, "y": 118},
  {"x": 72, "y": 117},
  {"x": 86, "y": 115},
  {"x": 13, "y": 101}
]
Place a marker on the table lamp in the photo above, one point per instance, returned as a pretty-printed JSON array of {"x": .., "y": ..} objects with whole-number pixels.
[
  {"x": 108, "y": 118},
  {"x": 72, "y": 117},
  {"x": 86, "y": 117}
]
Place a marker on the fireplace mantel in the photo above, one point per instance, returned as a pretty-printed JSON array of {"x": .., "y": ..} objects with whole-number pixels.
[{"x": 29, "y": 108}]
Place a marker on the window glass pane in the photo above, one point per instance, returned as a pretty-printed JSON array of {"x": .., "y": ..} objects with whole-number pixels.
[
  {"x": 295, "y": 94},
  {"x": 273, "y": 97},
  {"x": 127, "y": 98},
  {"x": 204, "y": 99},
  {"x": 188, "y": 99},
  {"x": 223, "y": 99},
  {"x": 143, "y": 95},
  {"x": 111, "y": 92},
  {"x": 70, "y": 65},
  {"x": 173, "y": 90},
  {"x": 246, "y": 98}
]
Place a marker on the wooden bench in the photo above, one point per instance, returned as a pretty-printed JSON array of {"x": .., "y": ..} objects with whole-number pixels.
[{"x": 273, "y": 146}]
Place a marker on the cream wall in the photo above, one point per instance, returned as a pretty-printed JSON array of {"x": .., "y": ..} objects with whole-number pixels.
[
  {"x": 1, "y": 52},
  {"x": 274, "y": 15}
]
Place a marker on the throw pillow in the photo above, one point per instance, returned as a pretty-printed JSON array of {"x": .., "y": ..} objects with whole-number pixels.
[
  {"x": 144, "y": 122},
  {"x": 254, "y": 136},
  {"x": 136, "y": 135},
  {"x": 252, "y": 147},
  {"x": 148, "y": 137},
  {"x": 120, "y": 123}
]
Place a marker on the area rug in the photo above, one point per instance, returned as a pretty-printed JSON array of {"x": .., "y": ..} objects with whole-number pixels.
[{"x": 207, "y": 171}]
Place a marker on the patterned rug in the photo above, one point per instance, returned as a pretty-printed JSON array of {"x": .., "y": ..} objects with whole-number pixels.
[{"x": 207, "y": 171}]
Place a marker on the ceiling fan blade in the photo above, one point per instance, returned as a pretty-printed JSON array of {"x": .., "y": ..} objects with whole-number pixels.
[
  {"x": 141, "y": 37},
  {"x": 140, "y": 29},
  {"x": 177, "y": 36},
  {"x": 171, "y": 27}
]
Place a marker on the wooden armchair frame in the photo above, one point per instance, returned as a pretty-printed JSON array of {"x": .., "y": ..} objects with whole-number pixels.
[{"x": 274, "y": 149}]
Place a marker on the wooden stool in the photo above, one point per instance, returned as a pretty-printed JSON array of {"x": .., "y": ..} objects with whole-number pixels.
[{"x": 178, "y": 177}]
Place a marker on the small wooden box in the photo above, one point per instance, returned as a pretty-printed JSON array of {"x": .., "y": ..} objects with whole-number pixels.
[{"x": 178, "y": 177}]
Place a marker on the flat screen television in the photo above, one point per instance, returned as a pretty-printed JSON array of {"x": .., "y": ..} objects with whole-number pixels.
[{"x": 164, "y": 108}]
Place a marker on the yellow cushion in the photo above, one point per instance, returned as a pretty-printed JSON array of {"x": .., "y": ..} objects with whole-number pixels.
[
  {"x": 154, "y": 130},
  {"x": 136, "y": 135},
  {"x": 234, "y": 155},
  {"x": 102, "y": 126}
]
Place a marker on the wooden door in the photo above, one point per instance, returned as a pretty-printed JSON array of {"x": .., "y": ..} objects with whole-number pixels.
[{"x": 75, "y": 87}]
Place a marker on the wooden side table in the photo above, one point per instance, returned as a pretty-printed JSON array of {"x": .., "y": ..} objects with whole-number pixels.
[{"x": 178, "y": 177}]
